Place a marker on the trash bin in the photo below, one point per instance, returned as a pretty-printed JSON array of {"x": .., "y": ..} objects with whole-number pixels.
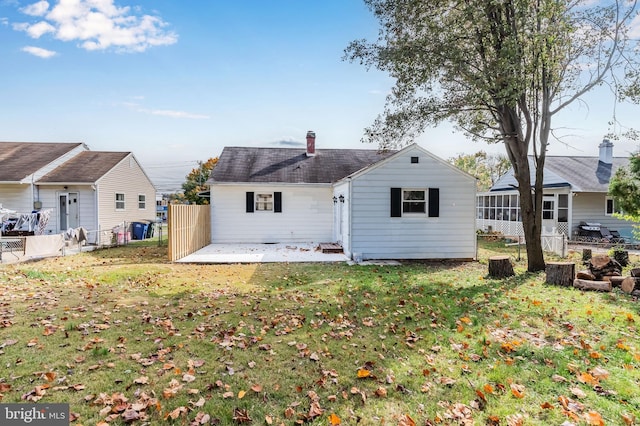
[
  {"x": 150, "y": 229},
  {"x": 139, "y": 230}
]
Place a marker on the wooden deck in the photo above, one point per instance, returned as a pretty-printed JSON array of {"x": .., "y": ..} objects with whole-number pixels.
[{"x": 330, "y": 248}]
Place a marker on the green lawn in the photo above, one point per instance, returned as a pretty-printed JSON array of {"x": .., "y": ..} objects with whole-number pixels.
[{"x": 126, "y": 338}]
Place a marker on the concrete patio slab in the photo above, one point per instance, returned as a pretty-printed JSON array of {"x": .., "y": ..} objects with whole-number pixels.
[{"x": 262, "y": 253}]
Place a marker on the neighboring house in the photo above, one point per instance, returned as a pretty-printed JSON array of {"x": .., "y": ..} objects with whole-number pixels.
[
  {"x": 94, "y": 190},
  {"x": 575, "y": 191},
  {"x": 407, "y": 204}
]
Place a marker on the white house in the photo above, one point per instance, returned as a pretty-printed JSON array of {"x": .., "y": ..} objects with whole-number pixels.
[
  {"x": 575, "y": 192},
  {"x": 407, "y": 204},
  {"x": 81, "y": 188}
]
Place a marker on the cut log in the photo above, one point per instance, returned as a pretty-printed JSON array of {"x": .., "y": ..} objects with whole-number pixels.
[
  {"x": 500, "y": 267},
  {"x": 599, "y": 261},
  {"x": 592, "y": 285},
  {"x": 601, "y": 265},
  {"x": 628, "y": 285},
  {"x": 586, "y": 255},
  {"x": 560, "y": 273},
  {"x": 585, "y": 275},
  {"x": 616, "y": 281}
]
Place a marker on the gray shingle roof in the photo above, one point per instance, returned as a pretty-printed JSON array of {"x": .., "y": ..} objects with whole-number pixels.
[
  {"x": 20, "y": 159},
  {"x": 582, "y": 174},
  {"x": 291, "y": 165},
  {"x": 86, "y": 167}
]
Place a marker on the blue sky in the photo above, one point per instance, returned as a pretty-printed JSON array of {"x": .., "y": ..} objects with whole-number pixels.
[{"x": 176, "y": 81}]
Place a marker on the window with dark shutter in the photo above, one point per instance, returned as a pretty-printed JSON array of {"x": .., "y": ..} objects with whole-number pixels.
[
  {"x": 396, "y": 202},
  {"x": 277, "y": 202},
  {"x": 434, "y": 202},
  {"x": 249, "y": 197}
]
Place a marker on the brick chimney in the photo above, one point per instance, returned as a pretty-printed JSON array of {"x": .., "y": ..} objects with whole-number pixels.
[
  {"x": 311, "y": 143},
  {"x": 606, "y": 151}
]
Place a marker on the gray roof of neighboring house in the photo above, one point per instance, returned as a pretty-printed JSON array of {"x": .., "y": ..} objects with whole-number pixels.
[
  {"x": 86, "y": 167},
  {"x": 20, "y": 159},
  {"x": 582, "y": 174},
  {"x": 291, "y": 165}
]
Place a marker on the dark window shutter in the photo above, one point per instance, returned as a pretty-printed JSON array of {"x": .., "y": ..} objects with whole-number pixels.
[
  {"x": 434, "y": 202},
  {"x": 277, "y": 202},
  {"x": 250, "y": 204},
  {"x": 396, "y": 202}
]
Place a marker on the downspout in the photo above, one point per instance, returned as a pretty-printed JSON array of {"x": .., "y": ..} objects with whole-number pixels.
[
  {"x": 350, "y": 210},
  {"x": 97, "y": 212}
]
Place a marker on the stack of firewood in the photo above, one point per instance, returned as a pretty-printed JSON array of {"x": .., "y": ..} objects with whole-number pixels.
[{"x": 603, "y": 273}]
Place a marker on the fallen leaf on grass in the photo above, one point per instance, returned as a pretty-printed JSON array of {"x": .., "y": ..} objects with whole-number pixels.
[
  {"x": 406, "y": 420},
  {"x": 176, "y": 413},
  {"x": 334, "y": 419},
  {"x": 579, "y": 393},
  {"x": 594, "y": 418},
  {"x": 517, "y": 390},
  {"x": 241, "y": 415},
  {"x": 363, "y": 372}
]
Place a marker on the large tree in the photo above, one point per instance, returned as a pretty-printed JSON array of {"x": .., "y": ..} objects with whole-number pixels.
[
  {"x": 196, "y": 181},
  {"x": 487, "y": 168},
  {"x": 500, "y": 70},
  {"x": 625, "y": 189}
]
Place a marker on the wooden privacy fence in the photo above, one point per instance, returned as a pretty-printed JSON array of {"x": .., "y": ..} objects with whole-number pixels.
[{"x": 189, "y": 228}]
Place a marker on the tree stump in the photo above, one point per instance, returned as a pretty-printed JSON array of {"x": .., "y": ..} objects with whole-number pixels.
[
  {"x": 622, "y": 256},
  {"x": 500, "y": 267},
  {"x": 586, "y": 255},
  {"x": 560, "y": 273}
]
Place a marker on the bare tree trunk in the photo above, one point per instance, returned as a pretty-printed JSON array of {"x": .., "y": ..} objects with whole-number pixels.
[{"x": 529, "y": 200}]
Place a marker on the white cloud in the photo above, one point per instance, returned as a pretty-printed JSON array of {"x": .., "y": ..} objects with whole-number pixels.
[
  {"x": 163, "y": 112},
  {"x": 98, "y": 25},
  {"x": 178, "y": 114},
  {"x": 37, "y": 30},
  {"x": 39, "y": 52},
  {"x": 36, "y": 9}
]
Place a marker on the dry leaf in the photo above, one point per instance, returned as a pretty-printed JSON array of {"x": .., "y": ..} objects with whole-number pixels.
[
  {"x": 241, "y": 394},
  {"x": 594, "y": 418},
  {"x": 381, "y": 392},
  {"x": 334, "y": 420},
  {"x": 578, "y": 392},
  {"x": 315, "y": 410},
  {"x": 517, "y": 390},
  {"x": 363, "y": 372},
  {"x": 241, "y": 415},
  {"x": 289, "y": 412},
  {"x": 406, "y": 420}
]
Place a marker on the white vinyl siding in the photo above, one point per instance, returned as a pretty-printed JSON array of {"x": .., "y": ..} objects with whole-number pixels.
[
  {"x": 16, "y": 197},
  {"x": 590, "y": 207},
  {"x": 127, "y": 178},
  {"x": 377, "y": 235},
  {"x": 306, "y": 215}
]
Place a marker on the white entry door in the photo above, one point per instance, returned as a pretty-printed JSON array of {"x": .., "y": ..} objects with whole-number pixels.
[{"x": 68, "y": 203}]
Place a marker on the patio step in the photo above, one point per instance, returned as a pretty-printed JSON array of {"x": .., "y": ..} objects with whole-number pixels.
[{"x": 330, "y": 248}]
